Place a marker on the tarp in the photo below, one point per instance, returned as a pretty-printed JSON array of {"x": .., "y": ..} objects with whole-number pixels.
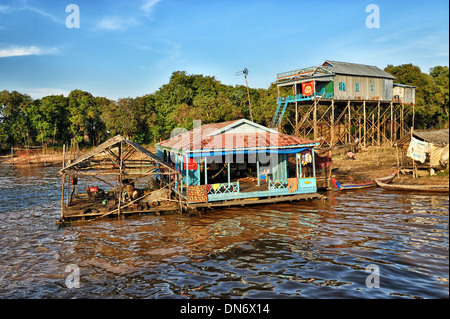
[
  {"x": 418, "y": 150},
  {"x": 438, "y": 155}
]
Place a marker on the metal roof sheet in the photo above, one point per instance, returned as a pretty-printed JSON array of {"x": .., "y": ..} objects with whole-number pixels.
[
  {"x": 355, "y": 69},
  {"x": 212, "y": 137}
]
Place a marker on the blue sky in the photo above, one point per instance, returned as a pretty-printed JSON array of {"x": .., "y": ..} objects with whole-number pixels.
[{"x": 130, "y": 48}]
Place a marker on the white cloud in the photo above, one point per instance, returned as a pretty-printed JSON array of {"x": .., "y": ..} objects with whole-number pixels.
[
  {"x": 149, "y": 4},
  {"x": 115, "y": 23},
  {"x": 24, "y": 51},
  {"x": 8, "y": 9},
  {"x": 4, "y": 9},
  {"x": 44, "y": 14}
]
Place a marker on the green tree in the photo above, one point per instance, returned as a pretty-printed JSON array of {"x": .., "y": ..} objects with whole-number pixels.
[
  {"x": 14, "y": 122},
  {"x": 440, "y": 75},
  {"x": 49, "y": 119},
  {"x": 85, "y": 116},
  {"x": 430, "y": 104},
  {"x": 129, "y": 117}
]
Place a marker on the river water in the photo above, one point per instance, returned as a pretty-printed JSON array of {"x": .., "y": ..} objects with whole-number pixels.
[{"x": 360, "y": 244}]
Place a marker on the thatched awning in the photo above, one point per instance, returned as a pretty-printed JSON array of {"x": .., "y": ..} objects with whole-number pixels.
[{"x": 105, "y": 160}]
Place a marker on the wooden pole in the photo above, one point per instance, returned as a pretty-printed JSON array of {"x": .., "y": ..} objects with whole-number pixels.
[
  {"x": 64, "y": 155},
  {"x": 228, "y": 169},
  {"x": 296, "y": 112},
  {"x": 364, "y": 124},
  {"x": 120, "y": 180},
  {"x": 332, "y": 124},
  {"x": 402, "y": 119},
  {"x": 315, "y": 120},
  {"x": 249, "y": 103},
  {"x": 68, "y": 189},
  {"x": 257, "y": 169},
  {"x": 392, "y": 123},
  {"x": 378, "y": 126},
  {"x": 206, "y": 170},
  {"x": 372, "y": 142},
  {"x": 180, "y": 205},
  {"x": 62, "y": 196},
  {"x": 349, "y": 121}
]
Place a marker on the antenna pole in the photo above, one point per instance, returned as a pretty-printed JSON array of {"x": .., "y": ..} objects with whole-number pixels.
[
  {"x": 245, "y": 72},
  {"x": 249, "y": 103}
]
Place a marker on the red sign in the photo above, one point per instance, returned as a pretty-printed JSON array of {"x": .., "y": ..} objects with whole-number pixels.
[
  {"x": 308, "y": 88},
  {"x": 192, "y": 165}
]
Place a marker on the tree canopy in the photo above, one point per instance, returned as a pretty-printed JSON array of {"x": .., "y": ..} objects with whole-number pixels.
[{"x": 431, "y": 92}]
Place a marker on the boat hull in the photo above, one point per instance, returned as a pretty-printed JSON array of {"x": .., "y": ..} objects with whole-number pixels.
[
  {"x": 414, "y": 188},
  {"x": 342, "y": 187}
]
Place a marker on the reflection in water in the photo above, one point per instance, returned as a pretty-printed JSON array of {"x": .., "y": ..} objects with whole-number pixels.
[{"x": 317, "y": 249}]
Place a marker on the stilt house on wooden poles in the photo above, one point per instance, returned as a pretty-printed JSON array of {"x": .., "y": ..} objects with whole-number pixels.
[
  {"x": 118, "y": 177},
  {"x": 350, "y": 102},
  {"x": 240, "y": 162}
]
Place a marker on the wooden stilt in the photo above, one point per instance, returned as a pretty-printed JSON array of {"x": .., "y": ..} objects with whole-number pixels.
[
  {"x": 333, "y": 133},
  {"x": 62, "y": 196},
  {"x": 378, "y": 126},
  {"x": 364, "y": 124},
  {"x": 120, "y": 179},
  {"x": 349, "y": 121},
  {"x": 315, "y": 120}
]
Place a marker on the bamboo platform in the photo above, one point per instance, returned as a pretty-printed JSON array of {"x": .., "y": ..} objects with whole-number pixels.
[
  {"x": 87, "y": 209},
  {"x": 257, "y": 201}
]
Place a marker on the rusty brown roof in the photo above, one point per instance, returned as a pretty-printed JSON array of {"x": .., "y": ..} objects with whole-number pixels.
[{"x": 212, "y": 137}]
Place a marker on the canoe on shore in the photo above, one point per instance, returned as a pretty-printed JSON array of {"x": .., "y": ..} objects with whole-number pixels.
[
  {"x": 367, "y": 184},
  {"x": 414, "y": 188}
]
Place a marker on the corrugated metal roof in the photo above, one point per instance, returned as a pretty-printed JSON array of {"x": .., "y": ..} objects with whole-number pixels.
[
  {"x": 212, "y": 137},
  {"x": 356, "y": 69},
  {"x": 437, "y": 137}
]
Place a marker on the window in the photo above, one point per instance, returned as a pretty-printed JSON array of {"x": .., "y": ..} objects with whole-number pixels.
[
  {"x": 341, "y": 86},
  {"x": 371, "y": 88},
  {"x": 356, "y": 87}
]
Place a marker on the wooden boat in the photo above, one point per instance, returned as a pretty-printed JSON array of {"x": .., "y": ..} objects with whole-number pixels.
[
  {"x": 414, "y": 188},
  {"x": 367, "y": 184}
]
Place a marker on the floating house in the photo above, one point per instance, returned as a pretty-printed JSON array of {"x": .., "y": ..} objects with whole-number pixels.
[{"x": 229, "y": 162}]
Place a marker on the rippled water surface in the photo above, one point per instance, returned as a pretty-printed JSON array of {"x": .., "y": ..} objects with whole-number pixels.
[{"x": 318, "y": 249}]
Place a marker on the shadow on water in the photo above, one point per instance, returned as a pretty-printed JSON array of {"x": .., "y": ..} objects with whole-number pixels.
[{"x": 317, "y": 249}]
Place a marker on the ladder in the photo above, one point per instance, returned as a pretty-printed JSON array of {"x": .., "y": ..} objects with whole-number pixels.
[{"x": 279, "y": 113}]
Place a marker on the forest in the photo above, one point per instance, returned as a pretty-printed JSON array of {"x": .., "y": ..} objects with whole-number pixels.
[{"x": 55, "y": 120}]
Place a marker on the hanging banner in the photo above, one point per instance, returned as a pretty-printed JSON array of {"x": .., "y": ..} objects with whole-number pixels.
[
  {"x": 308, "y": 88},
  {"x": 193, "y": 165}
]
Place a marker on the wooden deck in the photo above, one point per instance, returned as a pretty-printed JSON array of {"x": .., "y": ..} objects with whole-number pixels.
[
  {"x": 257, "y": 201},
  {"x": 84, "y": 209}
]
